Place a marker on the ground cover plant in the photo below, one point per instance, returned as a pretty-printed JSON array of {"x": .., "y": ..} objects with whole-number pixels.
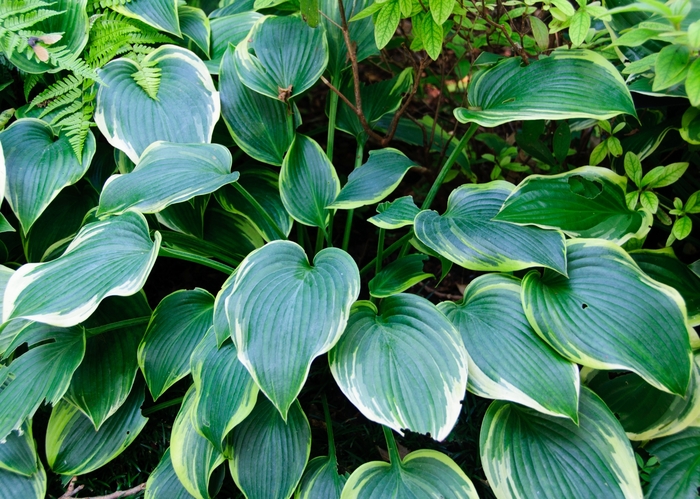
[{"x": 349, "y": 249}]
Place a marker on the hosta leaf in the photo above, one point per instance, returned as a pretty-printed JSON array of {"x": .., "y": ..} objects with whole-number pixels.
[
  {"x": 591, "y": 459},
  {"x": 227, "y": 30},
  {"x": 121, "y": 244},
  {"x": 306, "y": 169},
  {"x": 193, "y": 457},
  {"x": 374, "y": 180},
  {"x": 679, "y": 471},
  {"x": 26, "y": 487},
  {"x": 164, "y": 483},
  {"x": 74, "y": 447},
  {"x": 161, "y": 14},
  {"x": 507, "y": 360},
  {"x": 403, "y": 365},
  {"x": 467, "y": 235},
  {"x": 44, "y": 372},
  {"x": 609, "y": 315},
  {"x": 194, "y": 24},
  {"x": 185, "y": 111},
  {"x": 279, "y": 302},
  {"x": 18, "y": 452},
  {"x": 166, "y": 174},
  {"x": 269, "y": 454},
  {"x": 663, "y": 266},
  {"x": 258, "y": 124},
  {"x": 268, "y": 64},
  {"x": 646, "y": 412},
  {"x": 398, "y": 276},
  {"x": 226, "y": 393},
  {"x": 321, "y": 480},
  {"x": 585, "y": 202},
  {"x": 186, "y": 217},
  {"x": 177, "y": 326},
  {"x": 397, "y": 214},
  {"x": 423, "y": 473},
  {"x": 361, "y": 33},
  {"x": 567, "y": 84},
  {"x": 38, "y": 166}
]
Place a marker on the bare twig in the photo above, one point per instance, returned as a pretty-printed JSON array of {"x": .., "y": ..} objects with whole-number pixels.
[
  {"x": 72, "y": 490},
  {"x": 515, "y": 46}
]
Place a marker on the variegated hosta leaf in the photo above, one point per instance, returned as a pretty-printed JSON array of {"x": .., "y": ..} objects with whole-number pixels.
[
  {"x": 586, "y": 202},
  {"x": 122, "y": 244},
  {"x": 663, "y": 266},
  {"x": 38, "y": 166},
  {"x": 163, "y": 483},
  {"x": 306, "y": 169},
  {"x": 269, "y": 454},
  {"x": 679, "y": 471},
  {"x": 194, "y": 24},
  {"x": 397, "y": 214},
  {"x": 361, "y": 33},
  {"x": 106, "y": 375},
  {"x": 26, "y": 487},
  {"x": 258, "y": 124},
  {"x": 161, "y": 14},
  {"x": 528, "y": 454},
  {"x": 567, "y": 84},
  {"x": 423, "y": 473},
  {"x": 609, "y": 315},
  {"x": 186, "y": 217},
  {"x": 321, "y": 480},
  {"x": 374, "y": 180},
  {"x": 226, "y": 393},
  {"x": 44, "y": 372},
  {"x": 279, "y": 302},
  {"x": 466, "y": 234},
  {"x": 507, "y": 360},
  {"x": 193, "y": 457},
  {"x": 403, "y": 366},
  {"x": 646, "y": 412},
  {"x": 398, "y": 276},
  {"x": 166, "y": 174},
  {"x": 74, "y": 447},
  {"x": 18, "y": 452},
  {"x": 185, "y": 111},
  {"x": 177, "y": 326},
  {"x": 267, "y": 63},
  {"x": 228, "y": 30}
]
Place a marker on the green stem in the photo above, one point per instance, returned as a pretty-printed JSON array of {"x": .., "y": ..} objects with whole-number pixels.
[
  {"x": 290, "y": 119},
  {"x": 387, "y": 252},
  {"x": 394, "y": 457},
  {"x": 260, "y": 210},
  {"x": 162, "y": 405},
  {"x": 118, "y": 325},
  {"x": 329, "y": 428},
  {"x": 319, "y": 240},
  {"x": 332, "y": 113},
  {"x": 380, "y": 252},
  {"x": 359, "y": 152},
  {"x": 189, "y": 257}
]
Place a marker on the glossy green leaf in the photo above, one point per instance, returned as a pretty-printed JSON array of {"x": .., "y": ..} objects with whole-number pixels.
[
  {"x": 609, "y": 315},
  {"x": 38, "y": 166},
  {"x": 268, "y": 64},
  {"x": 507, "y": 360},
  {"x": 269, "y": 453},
  {"x": 18, "y": 452},
  {"x": 161, "y": 14},
  {"x": 679, "y": 471},
  {"x": 373, "y": 181},
  {"x": 306, "y": 169},
  {"x": 591, "y": 459},
  {"x": 671, "y": 66},
  {"x": 361, "y": 33},
  {"x": 692, "y": 83},
  {"x": 567, "y": 84},
  {"x": 398, "y": 276},
  {"x": 166, "y": 174},
  {"x": 279, "y": 302},
  {"x": 185, "y": 111},
  {"x": 43, "y": 372},
  {"x": 226, "y": 393},
  {"x": 441, "y": 10},
  {"x": 193, "y": 457},
  {"x": 386, "y": 22},
  {"x": 396, "y": 214},
  {"x": 585, "y": 202},
  {"x": 194, "y": 24},
  {"x": 186, "y": 217},
  {"x": 422, "y": 473},
  {"x": 26, "y": 487},
  {"x": 225, "y": 30},
  {"x": 431, "y": 28},
  {"x": 402, "y": 365},
  {"x": 163, "y": 482},
  {"x": 467, "y": 235},
  {"x": 177, "y": 326},
  {"x": 121, "y": 243},
  {"x": 74, "y": 447},
  {"x": 578, "y": 28},
  {"x": 321, "y": 480}
]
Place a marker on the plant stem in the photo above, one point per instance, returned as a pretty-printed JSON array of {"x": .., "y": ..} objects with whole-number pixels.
[
  {"x": 332, "y": 113},
  {"x": 162, "y": 405},
  {"x": 260, "y": 210},
  {"x": 396, "y": 245},
  {"x": 329, "y": 428},
  {"x": 189, "y": 257},
  {"x": 394, "y": 457},
  {"x": 319, "y": 240},
  {"x": 359, "y": 152},
  {"x": 380, "y": 252},
  {"x": 118, "y": 325}
]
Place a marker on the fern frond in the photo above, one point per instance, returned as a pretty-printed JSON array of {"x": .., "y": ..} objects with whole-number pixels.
[
  {"x": 65, "y": 59},
  {"x": 61, "y": 87},
  {"x": 104, "y": 4},
  {"x": 76, "y": 127},
  {"x": 30, "y": 82},
  {"x": 148, "y": 78},
  {"x": 29, "y": 19},
  {"x": 14, "y": 7},
  {"x": 73, "y": 107}
]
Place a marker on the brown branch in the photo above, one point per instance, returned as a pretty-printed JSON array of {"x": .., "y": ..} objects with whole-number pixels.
[
  {"x": 515, "y": 46},
  {"x": 72, "y": 491},
  {"x": 395, "y": 120}
]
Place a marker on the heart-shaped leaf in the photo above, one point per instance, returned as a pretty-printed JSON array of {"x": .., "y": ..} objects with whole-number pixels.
[
  {"x": 269, "y": 453},
  {"x": 609, "y": 315},
  {"x": 567, "y": 84},
  {"x": 507, "y": 360},
  {"x": 398, "y": 276},
  {"x": 278, "y": 302},
  {"x": 677, "y": 475},
  {"x": 228, "y": 30},
  {"x": 397, "y": 214},
  {"x": 18, "y": 452},
  {"x": 185, "y": 111},
  {"x": 467, "y": 235},
  {"x": 585, "y": 202},
  {"x": 591, "y": 459},
  {"x": 167, "y": 174},
  {"x": 267, "y": 63},
  {"x": 38, "y": 166},
  {"x": 121, "y": 242},
  {"x": 161, "y": 14},
  {"x": 403, "y": 366},
  {"x": 163, "y": 482},
  {"x": 321, "y": 480}
]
